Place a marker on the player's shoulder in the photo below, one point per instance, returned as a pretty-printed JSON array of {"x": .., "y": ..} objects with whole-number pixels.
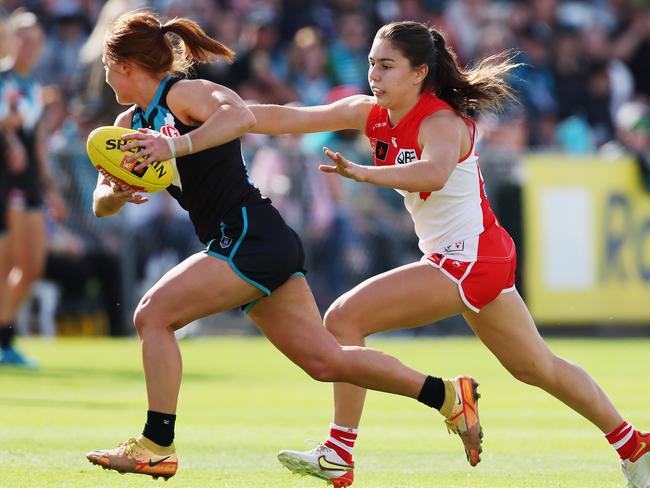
[
  {"x": 194, "y": 87},
  {"x": 445, "y": 116}
]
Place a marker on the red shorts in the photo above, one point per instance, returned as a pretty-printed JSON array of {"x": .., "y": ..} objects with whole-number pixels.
[{"x": 481, "y": 281}]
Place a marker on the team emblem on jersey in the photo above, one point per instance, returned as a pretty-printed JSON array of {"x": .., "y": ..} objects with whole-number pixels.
[
  {"x": 406, "y": 156},
  {"x": 381, "y": 150},
  {"x": 225, "y": 242}
]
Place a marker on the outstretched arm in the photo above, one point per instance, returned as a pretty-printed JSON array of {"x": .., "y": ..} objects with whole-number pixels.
[
  {"x": 347, "y": 113},
  {"x": 440, "y": 138},
  {"x": 218, "y": 112}
]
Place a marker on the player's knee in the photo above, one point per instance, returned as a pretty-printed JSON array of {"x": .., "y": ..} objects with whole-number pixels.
[
  {"x": 146, "y": 316},
  {"x": 536, "y": 373},
  {"x": 340, "y": 321},
  {"x": 325, "y": 369}
]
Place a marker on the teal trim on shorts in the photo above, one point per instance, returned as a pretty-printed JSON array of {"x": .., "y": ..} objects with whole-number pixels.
[
  {"x": 251, "y": 304},
  {"x": 243, "y": 232},
  {"x": 248, "y": 307},
  {"x": 231, "y": 256}
]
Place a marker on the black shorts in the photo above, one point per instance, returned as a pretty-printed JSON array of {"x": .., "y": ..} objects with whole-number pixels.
[
  {"x": 25, "y": 187},
  {"x": 259, "y": 246}
]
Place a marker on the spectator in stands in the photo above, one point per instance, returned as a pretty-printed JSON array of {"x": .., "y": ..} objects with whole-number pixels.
[
  {"x": 632, "y": 137},
  {"x": 307, "y": 66},
  {"x": 30, "y": 183}
]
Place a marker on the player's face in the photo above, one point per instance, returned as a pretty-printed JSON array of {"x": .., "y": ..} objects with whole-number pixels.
[
  {"x": 116, "y": 79},
  {"x": 29, "y": 46},
  {"x": 392, "y": 79}
]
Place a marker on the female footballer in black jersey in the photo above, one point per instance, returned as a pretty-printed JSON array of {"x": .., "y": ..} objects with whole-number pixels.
[{"x": 252, "y": 258}]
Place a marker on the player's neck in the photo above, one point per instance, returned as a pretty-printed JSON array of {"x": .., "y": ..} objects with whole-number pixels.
[
  {"x": 146, "y": 90},
  {"x": 398, "y": 112}
]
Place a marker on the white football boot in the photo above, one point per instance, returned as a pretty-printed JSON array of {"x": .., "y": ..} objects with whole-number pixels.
[
  {"x": 322, "y": 462},
  {"x": 637, "y": 468}
]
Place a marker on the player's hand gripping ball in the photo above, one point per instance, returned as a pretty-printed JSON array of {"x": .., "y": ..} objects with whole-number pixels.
[{"x": 103, "y": 147}]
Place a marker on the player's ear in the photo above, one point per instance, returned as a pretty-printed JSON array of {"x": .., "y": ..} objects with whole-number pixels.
[
  {"x": 126, "y": 67},
  {"x": 421, "y": 73}
]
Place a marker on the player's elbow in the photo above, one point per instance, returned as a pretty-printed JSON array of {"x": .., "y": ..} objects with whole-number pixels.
[
  {"x": 436, "y": 184},
  {"x": 99, "y": 212},
  {"x": 435, "y": 180},
  {"x": 428, "y": 184},
  {"x": 102, "y": 209}
]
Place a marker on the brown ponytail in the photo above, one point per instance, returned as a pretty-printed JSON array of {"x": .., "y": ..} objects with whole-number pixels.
[
  {"x": 141, "y": 38},
  {"x": 478, "y": 88}
]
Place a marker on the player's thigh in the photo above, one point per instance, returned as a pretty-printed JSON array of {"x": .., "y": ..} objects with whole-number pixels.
[
  {"x": 4, "y": 257},
  {"x": 200, "y": 285},
  {"x": 290, "y": 319},
  {"x": 506, "y": 327},
  {"x": 409, "y": 296},
  {"x": 27, "y": 239}
]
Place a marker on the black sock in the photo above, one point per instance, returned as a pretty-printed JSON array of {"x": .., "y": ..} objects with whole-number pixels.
[
  {"x": 7, "y": 333},
  {"x": 433, "y": 392},
  {"x": 160, "y": 428}
]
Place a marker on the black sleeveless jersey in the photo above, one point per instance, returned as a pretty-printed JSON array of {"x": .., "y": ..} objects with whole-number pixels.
[
  {"x": 22, "y": 94},
  {"x": 209, "y": 183}
]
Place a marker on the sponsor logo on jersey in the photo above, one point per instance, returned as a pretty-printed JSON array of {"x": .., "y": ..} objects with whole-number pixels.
[
  {"x": 169, "y": 131},
  {"x": 381, "y": 150},
  {"x": 406, "y": 156},
  {"x": 379, "y": 125}
]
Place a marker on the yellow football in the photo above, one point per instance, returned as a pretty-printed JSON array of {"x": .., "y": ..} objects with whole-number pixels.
[{"x": 103, "y": 147}]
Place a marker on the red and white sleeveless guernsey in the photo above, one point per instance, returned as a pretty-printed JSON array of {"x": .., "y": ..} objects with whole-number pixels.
[{"x": 457, "y": 230}]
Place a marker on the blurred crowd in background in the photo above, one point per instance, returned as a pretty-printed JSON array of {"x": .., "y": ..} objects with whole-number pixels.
[{"x": 584, "y": 87}]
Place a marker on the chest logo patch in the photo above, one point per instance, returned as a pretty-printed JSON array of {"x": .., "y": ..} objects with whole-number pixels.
[
  {"x": 406, "y": 156},
  {"x": 381, "y": 150}
]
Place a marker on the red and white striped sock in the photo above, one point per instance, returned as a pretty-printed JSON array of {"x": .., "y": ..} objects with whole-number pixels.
[
  {"x": 623, "y": 439},
  {"x": 342, "y": 439}
]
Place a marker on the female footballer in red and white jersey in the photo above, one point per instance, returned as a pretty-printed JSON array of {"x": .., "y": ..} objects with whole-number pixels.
[{"x": 423, "y": 146}]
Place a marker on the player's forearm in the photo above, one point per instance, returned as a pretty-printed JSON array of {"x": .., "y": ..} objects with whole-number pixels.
[
  {"x": 418, "y": 176},
  {"x": 104, "y": 203},
  {"x": 226, "y": 124}
]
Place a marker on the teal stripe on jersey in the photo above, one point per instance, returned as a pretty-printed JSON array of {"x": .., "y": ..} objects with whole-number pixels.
[{"x": 156, "y": 98}]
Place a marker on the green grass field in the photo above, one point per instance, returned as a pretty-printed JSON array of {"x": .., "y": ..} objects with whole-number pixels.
[{"x": 241, "y": 402}]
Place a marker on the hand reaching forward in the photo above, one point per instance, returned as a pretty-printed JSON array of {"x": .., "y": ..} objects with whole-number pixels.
[{"x": 343, "y": 166}]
